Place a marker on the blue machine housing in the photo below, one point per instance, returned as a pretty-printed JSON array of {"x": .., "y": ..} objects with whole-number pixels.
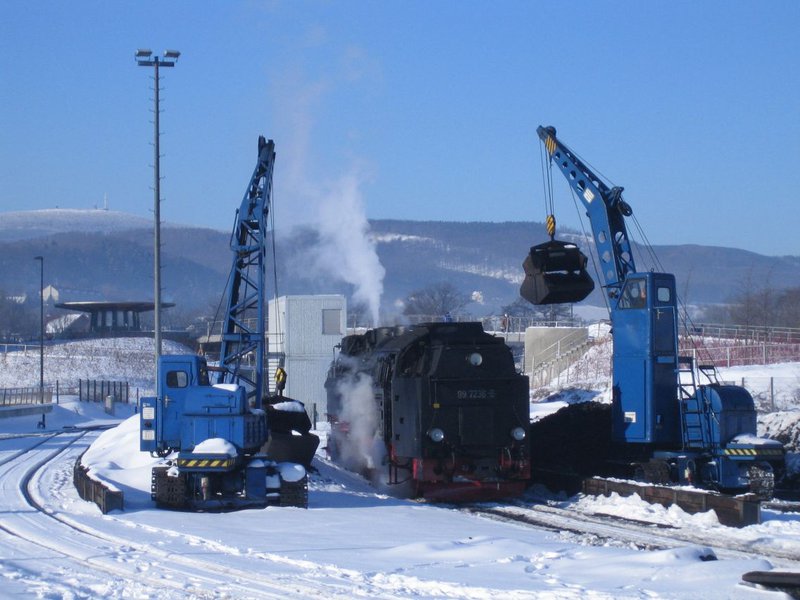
[
  {"x": 188, "y": 411},
  {"x": 727, "y": 411},
  {"x": 645, "y": 408}
]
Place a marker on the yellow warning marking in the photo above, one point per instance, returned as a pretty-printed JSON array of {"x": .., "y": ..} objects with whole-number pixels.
[{"x": 214, "y": 463}]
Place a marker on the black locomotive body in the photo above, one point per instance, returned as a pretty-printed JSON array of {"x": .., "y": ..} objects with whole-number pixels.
[{"x": 449, "y": 411}]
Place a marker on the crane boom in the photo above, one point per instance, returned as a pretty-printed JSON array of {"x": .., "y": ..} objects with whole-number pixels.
[
  {"x": 243, "y": 330},
  {"x": 605, "y": 206}
]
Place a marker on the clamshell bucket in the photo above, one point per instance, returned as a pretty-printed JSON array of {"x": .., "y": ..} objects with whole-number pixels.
[{"x": 555, "y": 273}]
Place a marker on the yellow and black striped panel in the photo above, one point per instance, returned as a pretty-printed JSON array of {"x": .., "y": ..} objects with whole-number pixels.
[
  {"x": 551, "y": 225},
  {"x": 776, "y": 452},
  {"x": 550, "y": 144},
  {"x": 206, "y": 463}
]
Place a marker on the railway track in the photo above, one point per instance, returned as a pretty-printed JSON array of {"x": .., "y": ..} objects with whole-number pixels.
[
  {"x": 119, "y": 557},
  {"x": 33, "y": 532},
  {"x": 604, "y": 529},
  {"x": 783, "y": 506}
]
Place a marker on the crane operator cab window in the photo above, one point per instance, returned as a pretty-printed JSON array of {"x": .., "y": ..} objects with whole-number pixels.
[
  {"x": 177, "y": 379},
  {"x": 634, "y": 294}
]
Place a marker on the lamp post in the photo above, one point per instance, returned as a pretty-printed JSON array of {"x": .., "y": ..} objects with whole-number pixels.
[
  {"x": 145, "y": 58},
  {"x": 42, "y": 423}
]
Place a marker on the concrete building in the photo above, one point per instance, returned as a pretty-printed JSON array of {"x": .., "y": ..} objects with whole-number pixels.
[
  {"x": 113, "y": 318},
  {"x": 302, "y": 332}
]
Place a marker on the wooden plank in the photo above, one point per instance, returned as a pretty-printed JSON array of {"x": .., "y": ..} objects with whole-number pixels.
[{"x": 733, "y": 511}]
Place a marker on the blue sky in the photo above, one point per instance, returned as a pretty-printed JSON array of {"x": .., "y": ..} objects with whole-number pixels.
[{"x": 432, "y": 105}]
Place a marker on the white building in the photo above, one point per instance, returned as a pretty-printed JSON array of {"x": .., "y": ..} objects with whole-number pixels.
[{"x": 302, "y": 331}]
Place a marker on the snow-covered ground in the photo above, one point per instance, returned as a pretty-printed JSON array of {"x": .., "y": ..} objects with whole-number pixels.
[{"x": 355, "y": 542}]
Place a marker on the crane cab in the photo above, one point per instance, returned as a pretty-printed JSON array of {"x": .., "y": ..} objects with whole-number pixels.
[{"x": 555, "y": 273}]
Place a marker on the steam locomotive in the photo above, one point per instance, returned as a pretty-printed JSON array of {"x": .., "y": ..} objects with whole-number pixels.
[{"x": 436, "y": 408}]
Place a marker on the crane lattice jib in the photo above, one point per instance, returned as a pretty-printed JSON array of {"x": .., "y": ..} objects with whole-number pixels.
[
  {"x": 607, "y": 217},
  {"x": 242, "y": 351}
]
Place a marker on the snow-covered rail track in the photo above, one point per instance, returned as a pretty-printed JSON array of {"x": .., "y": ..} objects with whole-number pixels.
[
  {"x": 35, "y": 441},
  {"x": 54, "y": 549},
  {"x": 641, "y": 535},
  {"x": 41, "y": 544}
]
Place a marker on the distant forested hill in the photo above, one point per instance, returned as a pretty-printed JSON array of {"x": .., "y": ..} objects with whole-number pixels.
[{"x": 96, "y": 255}]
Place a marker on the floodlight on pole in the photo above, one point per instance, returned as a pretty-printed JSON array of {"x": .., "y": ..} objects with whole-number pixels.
[{"x": 145, "y": 58}]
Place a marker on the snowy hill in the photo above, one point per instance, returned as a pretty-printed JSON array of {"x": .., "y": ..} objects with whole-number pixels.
[
  {"x": 25, "y": 225},
  {"x": 107, "y": 255}
]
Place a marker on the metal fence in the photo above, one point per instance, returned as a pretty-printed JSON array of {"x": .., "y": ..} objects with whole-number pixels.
[
  {"x": 746, "y": 333},
  {"x": 772, "y": 394},
  {"x": 739, "y": 353},
  {"x": 494, "y": 323},
  {"x": 25, "y": 395},
  {"x": 93, "y": 390}
]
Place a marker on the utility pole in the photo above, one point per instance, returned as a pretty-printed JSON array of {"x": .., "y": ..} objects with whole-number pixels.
[
  {"x": 145, "y": 58},
  {"x": 42, "y": 423}
]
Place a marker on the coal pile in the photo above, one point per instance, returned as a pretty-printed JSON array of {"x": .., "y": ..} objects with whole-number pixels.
[{"x": 570, "y": 444}]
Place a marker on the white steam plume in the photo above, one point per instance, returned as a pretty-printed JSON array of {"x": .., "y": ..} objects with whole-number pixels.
[
  {"x": 346, "y": 249},
  {"x": 334, "y": 209},
  {"x": 361, "y": 449}
]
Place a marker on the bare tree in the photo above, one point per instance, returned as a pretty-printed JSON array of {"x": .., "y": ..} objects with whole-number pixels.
[
  {"x": 788, "y": 308},
  {"x": 755, "y": 306},
  {"x": 436, "y": 299},
  {"x": 18, "y": 319},
  {"x": 358, "y": 314},
  {"x": 543, "y": 312}
]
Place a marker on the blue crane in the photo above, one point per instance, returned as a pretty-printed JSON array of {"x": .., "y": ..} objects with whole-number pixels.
[
  {"x": 666, "y": 426},
  {"x": 230, "y": 444}
]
